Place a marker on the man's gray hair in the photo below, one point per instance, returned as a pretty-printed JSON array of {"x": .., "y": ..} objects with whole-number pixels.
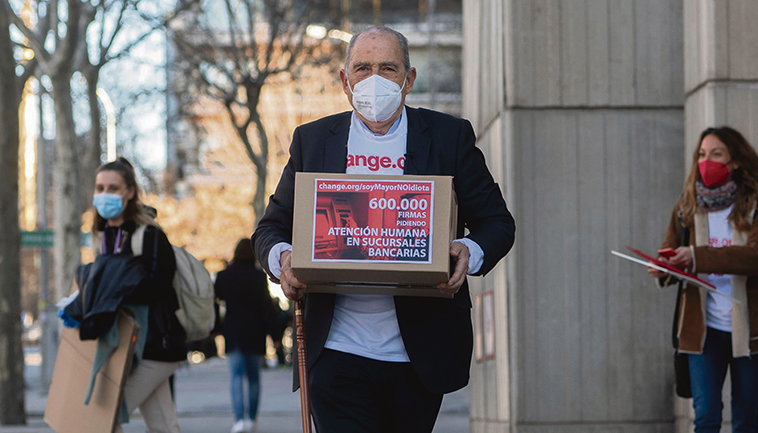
[{"x": 402, "y": 40}]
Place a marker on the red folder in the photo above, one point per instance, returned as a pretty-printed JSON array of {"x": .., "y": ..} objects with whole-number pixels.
[
  {"x": 668, "y": 268},
  {"x": 674, "y": 270}
]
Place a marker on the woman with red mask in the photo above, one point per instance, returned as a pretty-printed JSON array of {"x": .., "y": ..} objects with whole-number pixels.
[{"x": 716, "y": 213}]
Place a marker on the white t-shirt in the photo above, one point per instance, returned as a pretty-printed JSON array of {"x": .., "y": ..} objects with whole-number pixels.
[
  {"x": 366, "y": 325},
  {"x": 718, "y": 309}
]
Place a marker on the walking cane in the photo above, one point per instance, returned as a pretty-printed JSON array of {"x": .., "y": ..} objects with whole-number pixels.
[{"x": 302, "y": 362}]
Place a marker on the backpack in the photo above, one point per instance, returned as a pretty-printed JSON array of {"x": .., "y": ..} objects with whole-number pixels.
[{"x": 194, "y": 290}]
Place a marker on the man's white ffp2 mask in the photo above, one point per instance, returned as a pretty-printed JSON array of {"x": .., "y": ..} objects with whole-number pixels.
[{"x": 376, "y": 98}]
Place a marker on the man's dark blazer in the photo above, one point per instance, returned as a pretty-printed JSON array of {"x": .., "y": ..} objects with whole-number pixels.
[{"x": 436, "y": 332}]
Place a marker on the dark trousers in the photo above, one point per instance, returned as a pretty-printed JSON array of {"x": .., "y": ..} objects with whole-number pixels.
[
  {"x": 353, "y": 394},
  {"x": 707, "y": 374}
]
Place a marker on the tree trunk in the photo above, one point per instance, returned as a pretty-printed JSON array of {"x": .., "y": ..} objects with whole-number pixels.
[
  {"x": 261, "y": 169},
  {"x": 68, "y": 220},
  {"x": 259, "y": 198},
  {"x": 12, "y": 411}
]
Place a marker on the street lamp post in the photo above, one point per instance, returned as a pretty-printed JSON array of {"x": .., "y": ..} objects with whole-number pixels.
[{"x": 110, "y": 129}]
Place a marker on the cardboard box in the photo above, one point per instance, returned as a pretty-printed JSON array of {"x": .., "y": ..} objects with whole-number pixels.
[
  {"x": 65, "y": 411},
  {"x": 373, "y": 234}
]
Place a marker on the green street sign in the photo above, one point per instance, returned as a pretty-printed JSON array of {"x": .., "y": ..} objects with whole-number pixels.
[
  {"x": 44, "y": 239},
  {"x": 39, "y": 239}
]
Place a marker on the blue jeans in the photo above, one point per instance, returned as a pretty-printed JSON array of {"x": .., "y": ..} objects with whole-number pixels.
[
  {"x": 241, "y": 365},
  {"x": 707, "y": 374}
]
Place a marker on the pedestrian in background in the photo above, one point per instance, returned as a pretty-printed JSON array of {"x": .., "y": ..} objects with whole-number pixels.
[
  {"x": 718, "y": 210},
  {"x": 249, "y": 318},
  {"x": 119, "y": 214}
]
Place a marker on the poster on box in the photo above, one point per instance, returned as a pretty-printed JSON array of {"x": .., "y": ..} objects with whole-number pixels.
[{"x": 372, "y": 221}]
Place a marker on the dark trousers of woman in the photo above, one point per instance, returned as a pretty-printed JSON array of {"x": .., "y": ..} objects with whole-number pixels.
[
  {"x": 707, "y": 374},
  {"x": 350, "y": 393}
]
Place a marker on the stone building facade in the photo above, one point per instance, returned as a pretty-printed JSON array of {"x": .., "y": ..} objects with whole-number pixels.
[{"x": 588, "y": 112}]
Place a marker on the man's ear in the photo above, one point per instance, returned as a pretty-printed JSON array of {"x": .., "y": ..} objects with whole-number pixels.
[
  {"x": 409, "y": 80},
  {"x": 345, "y": 84}
]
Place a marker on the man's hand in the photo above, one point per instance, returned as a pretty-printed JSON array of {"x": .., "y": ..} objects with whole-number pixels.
[
  {"x": 292, "y": 287},
  {"x": 460, "y": 253}
]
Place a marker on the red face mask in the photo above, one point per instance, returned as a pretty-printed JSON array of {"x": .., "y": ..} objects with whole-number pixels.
[{"x": 713, "y": 173}]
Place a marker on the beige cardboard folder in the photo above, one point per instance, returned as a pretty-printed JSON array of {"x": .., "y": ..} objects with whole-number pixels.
[{"x": 66, "y": 411}]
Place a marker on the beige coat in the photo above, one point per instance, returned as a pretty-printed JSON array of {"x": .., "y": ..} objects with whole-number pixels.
[{"x": 739, "y": 260}]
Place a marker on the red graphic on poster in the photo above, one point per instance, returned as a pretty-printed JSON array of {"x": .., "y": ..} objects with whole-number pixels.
[{"x": 373, "y": 221}]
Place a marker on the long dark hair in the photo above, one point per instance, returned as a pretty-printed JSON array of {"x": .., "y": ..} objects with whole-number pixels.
[
  {"x": 244, "y": 251},
  {"x": 745, "y": 176},
  {"x": 134, "y": 209}
]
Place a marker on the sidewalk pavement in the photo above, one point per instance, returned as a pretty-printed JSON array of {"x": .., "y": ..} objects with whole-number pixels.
[{"x": 203, "y": 403}]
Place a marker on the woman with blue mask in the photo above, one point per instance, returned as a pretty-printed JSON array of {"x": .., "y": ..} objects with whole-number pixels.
[{"x": 119, "y": 216}]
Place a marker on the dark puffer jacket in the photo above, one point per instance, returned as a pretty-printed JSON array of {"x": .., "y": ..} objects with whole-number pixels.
[{"x": 166, "y": 337}]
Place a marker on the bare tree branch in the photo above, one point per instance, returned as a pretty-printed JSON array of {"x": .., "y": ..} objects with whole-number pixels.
[
  {"x": 43, "y": 22},
  {"x": 241, "y": 132},
  {"x": 103, "y": 17},
  {"x": 21, "y": 45},
  {"x": 274, "y": 22},
  {"x": 53, "y": 19},
  {"x": 233, "y": 64},
  {"x": 104, "y": 49},
  {"x": 235, "y": 43},
  {"x": 29, "y": 70},
  {"x": 251, "y": 35},
  {"x": 183, "y": 5},
  {"x": 64, "y": 55},
  {"x": 35, "y": 43},
  {"x": 81, "y": 49}
]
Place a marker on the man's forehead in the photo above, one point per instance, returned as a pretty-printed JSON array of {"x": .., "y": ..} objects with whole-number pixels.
[{"x": 371, "y": 46}]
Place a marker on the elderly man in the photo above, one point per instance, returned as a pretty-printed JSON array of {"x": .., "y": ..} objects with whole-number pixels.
[{"x": 383, "y": 363}]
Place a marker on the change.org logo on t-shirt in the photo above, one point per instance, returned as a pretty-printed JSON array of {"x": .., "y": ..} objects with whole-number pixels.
[
  {"x": 375, "y": 162},
  {"x": 368, "y": 153}
]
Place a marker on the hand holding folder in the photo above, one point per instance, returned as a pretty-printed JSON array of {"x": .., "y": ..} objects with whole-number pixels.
[{"x": 672, "y": 270}]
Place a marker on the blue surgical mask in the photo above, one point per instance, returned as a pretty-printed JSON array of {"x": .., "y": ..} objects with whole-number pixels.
[{"x": 108, "y": 205}]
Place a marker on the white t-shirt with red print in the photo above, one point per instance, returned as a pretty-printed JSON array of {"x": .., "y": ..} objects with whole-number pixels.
[
  {"x": 718, "y": 309},
  {"x": 366, "y": 325},
  {"x": 369, "y": 153}
]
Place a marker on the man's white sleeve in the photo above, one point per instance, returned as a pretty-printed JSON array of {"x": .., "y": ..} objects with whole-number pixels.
[
  {"x": 274, "y": 255},
  {"x": 476, "y": 255}
]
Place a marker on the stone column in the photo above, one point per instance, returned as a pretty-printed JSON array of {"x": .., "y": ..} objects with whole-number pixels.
[
  {"x": 578, "y": 105},
  {"x": 720, "y": 67}
]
